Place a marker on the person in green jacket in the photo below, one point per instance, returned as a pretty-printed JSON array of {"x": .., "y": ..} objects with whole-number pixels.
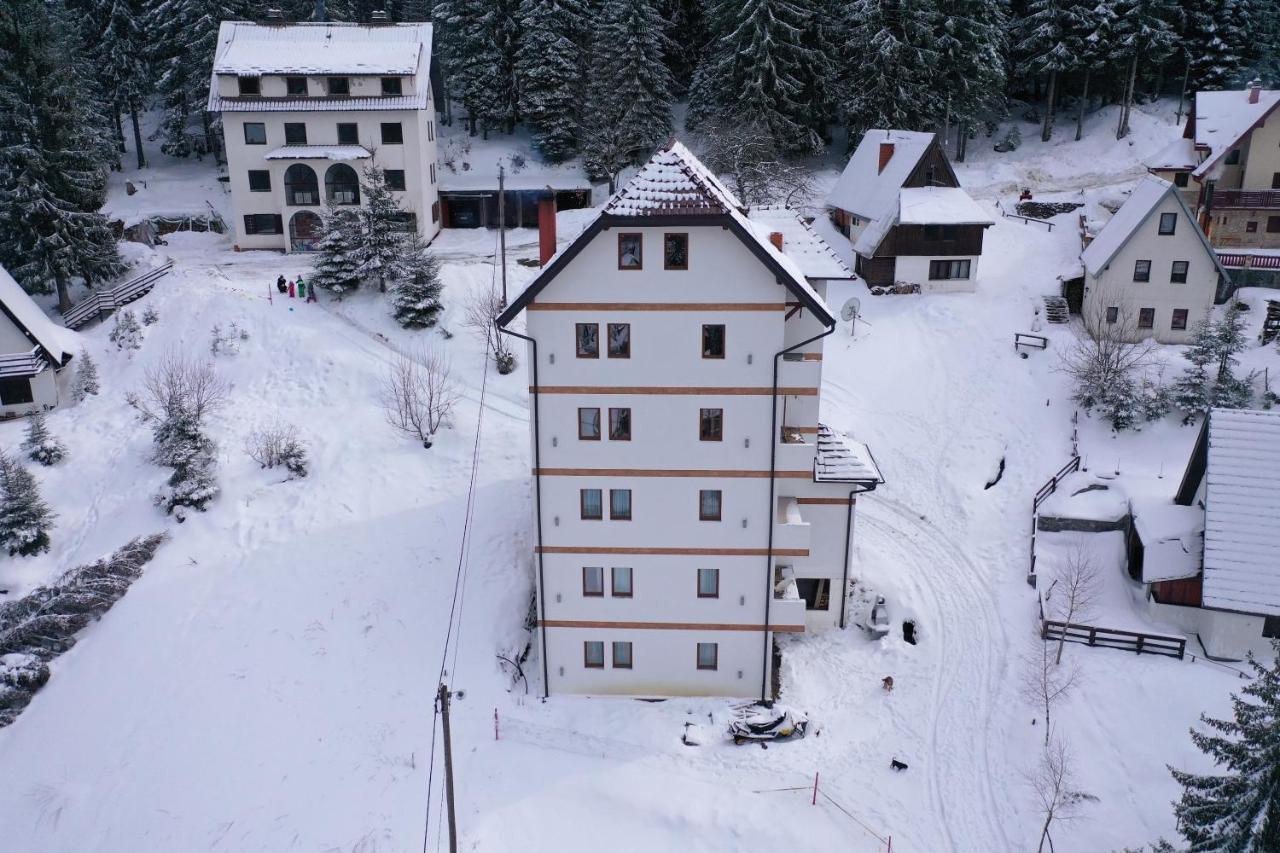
[{"x": 302, "y": 288}]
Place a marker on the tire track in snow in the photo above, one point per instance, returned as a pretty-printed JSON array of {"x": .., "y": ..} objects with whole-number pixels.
[{"x": 971, "y": 661}]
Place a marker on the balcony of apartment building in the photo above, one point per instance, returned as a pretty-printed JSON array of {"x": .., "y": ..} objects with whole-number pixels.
[
  {"x": 1246, "y": 199},
  {"x": 788, "y": 610}
]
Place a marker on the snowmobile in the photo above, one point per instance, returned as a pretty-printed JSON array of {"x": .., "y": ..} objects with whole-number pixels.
[{"x": 770, "y": 724}]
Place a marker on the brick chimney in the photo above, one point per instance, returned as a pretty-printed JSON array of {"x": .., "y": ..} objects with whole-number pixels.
[
  {"x": 775, "y": 237},
  {"x": 886, "y": 154},
  {"x": 546, "y": 229},
  {"x": 1255, "y": 90}
]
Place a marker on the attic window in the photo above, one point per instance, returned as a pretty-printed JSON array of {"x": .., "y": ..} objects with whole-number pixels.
[
  {"x": 339, "y": 86},
  {"x": 630, "y": 251},
  {"x": 1233, "y": 157},
  {"x": 391, "y": 86},
  {"x": 1180, "y": 179},
  {"x": 1168, "y": 223},
  {"x": 295, "y": 85},
  {"x": 675, "y": 251},
  {"x": 250, "y": 85}
]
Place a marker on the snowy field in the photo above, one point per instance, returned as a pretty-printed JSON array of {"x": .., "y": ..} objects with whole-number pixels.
[{"x": 267, "y": 685}]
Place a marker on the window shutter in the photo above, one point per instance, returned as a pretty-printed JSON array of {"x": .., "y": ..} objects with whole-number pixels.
[{"x": 250, "y": 226}]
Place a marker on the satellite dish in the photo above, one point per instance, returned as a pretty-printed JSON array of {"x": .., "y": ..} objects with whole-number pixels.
[{"x": 850, "y": 309}]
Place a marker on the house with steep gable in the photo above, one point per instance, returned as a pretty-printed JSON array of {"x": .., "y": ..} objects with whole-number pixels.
[
  {"x": 33, "y": 350},
  {"x": 1150, "y": 272},
  {"x": 689, "y": 506},
  {"x": 900, "y": 204},
  {"x": 306, "y": 107}
]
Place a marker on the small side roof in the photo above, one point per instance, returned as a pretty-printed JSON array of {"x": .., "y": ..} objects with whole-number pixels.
[
  {"x": 1242, "y": 512},
  {"x": 1222, "y": 118},
  {"x": 839, "y": 459},
  {"x": 1178, "y": 155},
  {"x": 940, "y": 206},
  {"x": 318, "y": 152},
  {"x": 815, "y": 257},
  {"x": 866, "y": 190},
  {"x": 1136, "y": 210},
  {"x": 246, "y": 48},
  {"x": 1172, "y": 539},
  {"x": 56, "y": 342}
]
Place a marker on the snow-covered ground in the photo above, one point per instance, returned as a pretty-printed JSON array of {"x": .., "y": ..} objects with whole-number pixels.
[{"x": 267, "y": 684}]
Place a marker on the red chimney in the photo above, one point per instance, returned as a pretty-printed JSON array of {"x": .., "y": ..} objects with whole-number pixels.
[
  {"x": 1255, "y": 89},
  {"x": 546, "y": 229},
  {"x": 775, "y": 237},
  {"x": 886, "y": 154}
]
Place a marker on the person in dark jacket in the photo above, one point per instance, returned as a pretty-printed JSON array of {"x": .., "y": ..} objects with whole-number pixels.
[{"x": 281, "y": 286}]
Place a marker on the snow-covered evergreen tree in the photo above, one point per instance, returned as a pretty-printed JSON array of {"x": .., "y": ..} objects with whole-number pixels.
[
  {"x": 1043, "y": 49},
  {"x": 86, "y": 382},
  {"x": 1218, "y": 43},
  {"x": 181, "y": 444},
  {"x": 54, "y": 150},
  {"x": 1210, "y": 381},
  {"x": 120, "y": 59},
  {"x": 1090, "y": 30},
  {"x": 971, "y": 67},
  {"x": 480, "y": 43},
  {"x": 150, "y": 316},
  {"x": 758, "y": 70},
  {"x": 126, "y": 333},
  {"x": 25, "y": 519},
  {"x": 628, "y": 106},
  {"x": 380, "y": 252},
  {"x": 336, "y": 267},
  {"x": 890, "y": 59},
  {"x": 1144, "y": 32},
  {"x": 687, "y": 40},
  {"x": 39, "y": 444},
  {"x": 550, "y": 70},
  {"x": 1237, "y": 810},
  {"x": 415, "y": 297}
]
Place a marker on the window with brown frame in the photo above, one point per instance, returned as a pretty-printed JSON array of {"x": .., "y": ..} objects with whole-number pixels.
[
  {"x": 619, "y": 424},
  {"x": 592, "y": 504},
  {"x": 630, "y": 251},
  {"x": 1179, "y": 321},
  {"x": 619, "y": 504},
  {"x": 589, "y": 424},
  {"x": 619, "y": 340},
  {"x": 621, "y": 581},
  {"x": 708, "y": 656},
  {"x": 710, "y": 424},
  {"x": 1146, "y": 318},
  {"x": 675, "y": 251},
  {"x": 593, "y": 654},
  {"x": 622, "y": 655},
  {"x": 593, "y": 581},
  {"x": 588, "y": 340},
  {"x": 1178, "y": 272},
  {"x": 713, "y": 341},
  {"x": 708, "y": 583},
  {"x": 709, "y": 505}
]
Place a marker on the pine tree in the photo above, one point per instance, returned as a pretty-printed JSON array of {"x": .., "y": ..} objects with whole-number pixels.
[
  {"x": 1211, "y": 381},
  {"x": 1044, "y": 49},
  {"x": 54, "y": 149},
  {"x": 1237, "y": 811},
  {"x": 1193, "y": 390},
  {"x": 759, "y": 68},
  {"x": 126, "y": 334},
  {"x": 415, "y": 298},
  {"x": 1090, "y": 31},
  {"x": 687, "y": 40},
  {"x": 890, "y": 59},
  {"x": 181, "y": 444},
  {"x": 481, "y": 43},
  {"x": 550, "y": 70},
  {"x": 971, "y": 67},
  {"x": 1218, "y": 43},
  {"x": 86, "y": 383},
  {"x": 121, "y": 62},
  {"x": 336, "y": 268},
  {"x": 1144, "y": 30},
  {"x": 628, "y": 105},
  {"x": 40, "y": 445},
  {"x": 380, "y": 252},
  {"x": 25, "y": 518}
]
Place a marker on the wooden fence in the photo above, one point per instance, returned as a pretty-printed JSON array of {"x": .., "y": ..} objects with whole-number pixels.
[
  {"x": 1041, "y": 496},
  {"x": 102, "y": 302},
  {"x": 1113, "y": 638}
]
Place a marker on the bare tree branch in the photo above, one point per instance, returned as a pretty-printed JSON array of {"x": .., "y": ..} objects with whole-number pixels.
[
  {"x": 1054, "y": 787},
  {"x": 179, "y": 383},
  {"x": 482, "y": 312},
  {"x": 418, "y": 393},
  {"x": 1043, "y": 681},
  {"x": 1076, "y": 593}
]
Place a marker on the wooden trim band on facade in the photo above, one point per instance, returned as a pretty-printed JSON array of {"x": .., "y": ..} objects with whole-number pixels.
[
  {"x": 831, "y": 501},
  {"x": 660, "y": 472},
  {"x": 699, "y": 391},
  {"x": 671, "y": 552},
  {"x": 655, "y": 306},
  {"x": 802, "y": 430},
  {"x": 813, "y": 356},
  {"x": 670, "y": 626}
]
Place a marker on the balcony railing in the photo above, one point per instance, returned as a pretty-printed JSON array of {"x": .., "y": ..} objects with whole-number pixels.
[
  {"x": 788, "y": 607},
  {"x": 1246, "y": 199}
]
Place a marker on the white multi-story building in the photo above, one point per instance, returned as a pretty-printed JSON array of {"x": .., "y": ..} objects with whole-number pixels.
[
  {"x": 688, "y": 503},
  {"x": 305, "y": 107}
]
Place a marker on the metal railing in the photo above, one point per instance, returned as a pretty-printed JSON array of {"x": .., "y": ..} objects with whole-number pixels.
[
  {"x": 102, "y": 302},
  {"x": 1246, "y": 199}
]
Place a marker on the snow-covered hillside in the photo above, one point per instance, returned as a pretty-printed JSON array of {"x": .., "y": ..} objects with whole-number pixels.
[{"x": 267, "y": 684}]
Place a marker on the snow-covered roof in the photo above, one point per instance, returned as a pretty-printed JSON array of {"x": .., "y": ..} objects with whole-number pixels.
[
  {"x": 1179, "y": 154},
  {"x": 1086, "y": 496},
  {"x": 246, "y": 48},
  {"x": 318, "y": 152},
  {"x": 1222, "y": 118},
  {"x": 866, "y": 190},
  {"x": 814, "y": 256},
  {"x": 940, "y": 206},
  {"x": 1242, "y": 512},
  {"x": 841, "y": 460},
  {"x": 1136, "y": 210},
  {"x": 1172, "y": 539},
  {"x": 57, "y": 342}
]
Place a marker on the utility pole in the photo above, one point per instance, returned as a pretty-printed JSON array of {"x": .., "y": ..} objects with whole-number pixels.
[
  {"x": 443, "y": 698},
  {"x": 502, "y": 231}
]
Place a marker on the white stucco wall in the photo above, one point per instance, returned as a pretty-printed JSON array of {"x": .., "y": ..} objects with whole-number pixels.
[
  {"x": 1114, "y": 284},
  {"x": 915, "y": 270}
]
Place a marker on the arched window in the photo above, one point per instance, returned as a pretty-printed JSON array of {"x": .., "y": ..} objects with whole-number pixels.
[
  {"x": 305, "y": 231},
  {"x": 301, "y": 188},
  {"x": 341, "y": 184}
]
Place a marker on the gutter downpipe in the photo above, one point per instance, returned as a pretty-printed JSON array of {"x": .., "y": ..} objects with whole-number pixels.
[
  {"x": 773, "y": 464},
  {"x": 848, "y": 557},
  {"x": 537, "y": 502}
]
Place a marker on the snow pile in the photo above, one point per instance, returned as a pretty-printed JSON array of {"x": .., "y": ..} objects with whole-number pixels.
[
  {"x": 318, "y": 152},
  {"x": 1087, "y": 497}
]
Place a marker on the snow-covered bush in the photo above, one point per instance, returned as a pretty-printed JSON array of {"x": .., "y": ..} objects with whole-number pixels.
[
  {"x": 86, "y": 383},
  {"x": 39, "y": 444},
  {"x": 1108, "y": 370},
  {"x": 277, "y": 445},
  {"x": 415, "y": 297},
  {"x": 126, "y": 333},
  {"x": 150, "y": 316},
  {"x": 482, "y": 317},
  {"x": 418, "y": 394},
  {"x": 1011, "y": 141},
  {"x": 227, "y": 341},
  {"x": 25, "y": 518}
]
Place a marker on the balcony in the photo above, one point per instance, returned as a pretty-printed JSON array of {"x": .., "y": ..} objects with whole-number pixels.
[
  {"x": 1246, "y": 199},
  {"x": 796, "y": 456},
  {"x": 791, "y": 532},
  {"x": 787, "y": 613},
  {"x": 797, "y": 372}
]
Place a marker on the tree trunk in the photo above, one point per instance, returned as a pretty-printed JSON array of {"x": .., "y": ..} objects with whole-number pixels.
[
  {"x": 1123, "y": 130},
  {"x": 1047, "y": 131},
  {"x": 115, "y": 112},
  {"x": 137, "y": 134},
  {"x": 1084, "y": 99},
  {"x": 962, "y": 141},
  {"x": 1044, "y": 832},
  {"x": 64, "y": 293},
  {"x": 209, "y": 142}
]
